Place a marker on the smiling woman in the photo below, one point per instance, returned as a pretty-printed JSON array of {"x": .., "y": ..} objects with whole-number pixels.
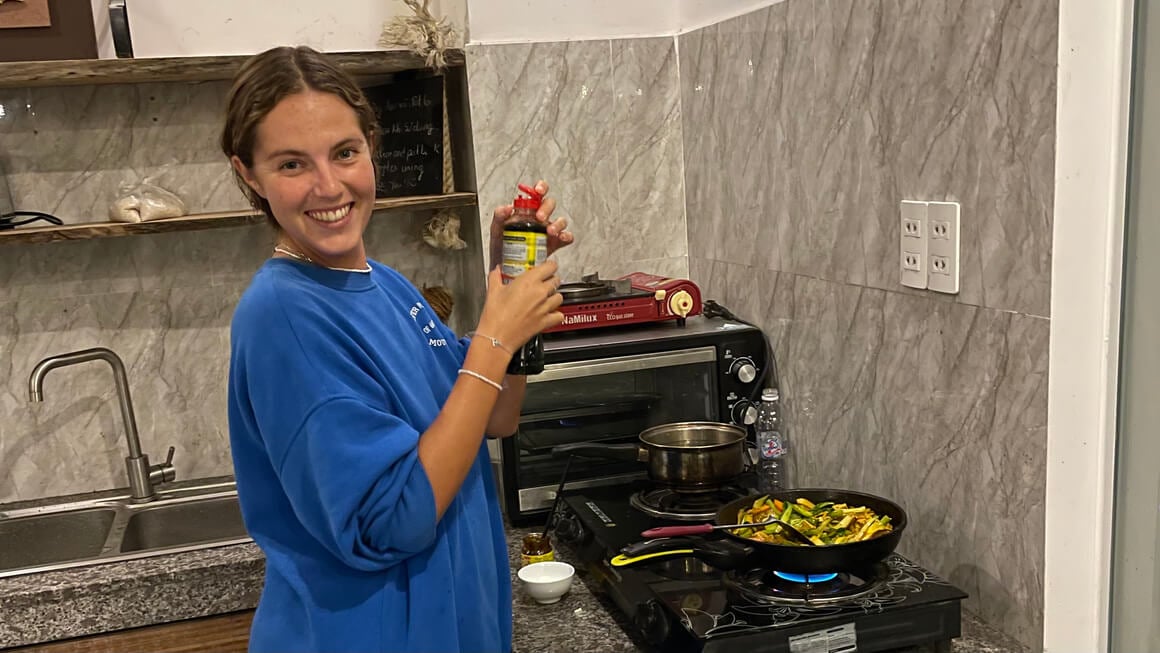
[
  {"x": 357, "y": 418},
  {"x": 301, "y": 144},
  {"x": 322, "y": 190}
]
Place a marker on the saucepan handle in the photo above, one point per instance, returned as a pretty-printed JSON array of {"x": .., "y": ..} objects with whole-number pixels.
[{"x": 613, "y": 451}]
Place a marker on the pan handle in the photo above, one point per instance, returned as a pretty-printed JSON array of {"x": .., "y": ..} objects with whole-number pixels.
[
  {"x": 624, "y": 560},
  {"x": 655, "y": 548},
  {"x": 671, "y": 531},
  {"x": 722, "y": 554},
  {"x": 615, "y": 451}
]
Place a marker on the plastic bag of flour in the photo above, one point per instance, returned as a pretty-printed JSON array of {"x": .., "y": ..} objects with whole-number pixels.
[{"x": 143, "y": 201}]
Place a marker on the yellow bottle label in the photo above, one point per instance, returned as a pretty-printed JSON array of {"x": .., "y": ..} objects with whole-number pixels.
[
  {"x": 544, "y": 557},
  {"x": 523, "y": 250}
]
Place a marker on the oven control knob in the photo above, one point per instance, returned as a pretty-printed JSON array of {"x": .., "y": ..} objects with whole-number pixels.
[
  {"x": 569, "y": 530},
  {"x": 651, "y": 621},
  {"x": 744, "y": 413},
  {"x": 744, "y": 370}
]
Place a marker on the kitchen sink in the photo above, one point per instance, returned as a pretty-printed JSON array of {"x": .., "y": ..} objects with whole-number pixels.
[
  {"x": 182, "y": 524},
  {"x": 78, "y": 534},
  {"x": 45, "y": 539}
]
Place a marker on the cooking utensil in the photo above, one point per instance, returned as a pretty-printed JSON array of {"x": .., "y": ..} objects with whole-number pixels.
[
  {"x": 556, "y": 501},
  {"x": 538, "y": 547},
  {"x": 699, "y": 529},
  {"x": 681, "y": 454},
  {"x": 734, "y": 551}
]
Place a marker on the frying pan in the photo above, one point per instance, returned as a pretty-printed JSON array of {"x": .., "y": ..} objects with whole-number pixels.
[{"x": 732, "y": 551}]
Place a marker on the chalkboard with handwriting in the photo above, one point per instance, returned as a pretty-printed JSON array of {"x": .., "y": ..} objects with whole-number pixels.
[{"x": 410, "y": 153}]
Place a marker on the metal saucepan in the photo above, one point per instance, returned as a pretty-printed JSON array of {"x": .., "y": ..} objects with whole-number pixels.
[
  {"x": 681, "y": 454},
  {"x": 734, "y": 551}
]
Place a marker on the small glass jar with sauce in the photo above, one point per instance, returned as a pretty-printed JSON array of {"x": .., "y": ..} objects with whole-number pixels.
[{"x": 537, "y": 547}]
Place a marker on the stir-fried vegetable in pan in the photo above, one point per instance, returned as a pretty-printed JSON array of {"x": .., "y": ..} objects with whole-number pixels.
[{"x": 824, "y": 523}]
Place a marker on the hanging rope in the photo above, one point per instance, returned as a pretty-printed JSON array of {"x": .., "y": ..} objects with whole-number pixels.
[
  {"x": 430, "y": 38},
  {"x": 422, "y": 33}
]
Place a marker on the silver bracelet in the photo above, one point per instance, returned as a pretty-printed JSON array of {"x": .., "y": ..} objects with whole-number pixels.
[
  {"x": 495, "y": 342},
  {"x": 481, "y": 378}
]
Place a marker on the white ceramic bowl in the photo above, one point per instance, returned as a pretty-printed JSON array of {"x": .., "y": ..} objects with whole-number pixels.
[{"x": 546, "y": 582}]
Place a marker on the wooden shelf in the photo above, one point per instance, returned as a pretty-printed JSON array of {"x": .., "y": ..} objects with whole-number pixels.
[
  {"x": 189, "y": 69},
  {"x": 202, "y": 221}
]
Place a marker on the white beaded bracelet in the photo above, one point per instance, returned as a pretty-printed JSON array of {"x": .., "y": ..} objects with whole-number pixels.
[{"x": 482, "y": 378}]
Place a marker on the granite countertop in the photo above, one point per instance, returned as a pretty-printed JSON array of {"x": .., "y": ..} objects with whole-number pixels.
[{"x": 102, "y": 598}]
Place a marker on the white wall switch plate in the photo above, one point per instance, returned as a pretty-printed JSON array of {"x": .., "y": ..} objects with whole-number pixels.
[
  {"x": 942, "y": 230},
  {"x": 913, "y": 244}
]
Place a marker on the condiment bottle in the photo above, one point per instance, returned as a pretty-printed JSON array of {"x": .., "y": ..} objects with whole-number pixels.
[
  {"x": 525, "y": 245},
  {"x": 537, "y": 548}
]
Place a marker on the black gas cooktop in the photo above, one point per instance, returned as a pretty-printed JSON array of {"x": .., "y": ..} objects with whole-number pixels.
[{"x": 682, "y": 604}]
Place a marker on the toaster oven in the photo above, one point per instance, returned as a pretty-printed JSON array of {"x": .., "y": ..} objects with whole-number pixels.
[{"x": 607, "y": 386}]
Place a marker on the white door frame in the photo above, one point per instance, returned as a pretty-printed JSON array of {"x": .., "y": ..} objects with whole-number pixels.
[{"x": 1095, "y": 42}]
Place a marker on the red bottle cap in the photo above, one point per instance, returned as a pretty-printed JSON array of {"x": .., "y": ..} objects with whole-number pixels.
[{"x": 533, "y": 200}]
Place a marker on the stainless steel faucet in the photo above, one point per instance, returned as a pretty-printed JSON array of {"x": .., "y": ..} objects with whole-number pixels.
[{"x": 142, "y": 475}]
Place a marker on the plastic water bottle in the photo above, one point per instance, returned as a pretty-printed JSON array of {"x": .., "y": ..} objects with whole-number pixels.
[{"x": 774, "y": 467}]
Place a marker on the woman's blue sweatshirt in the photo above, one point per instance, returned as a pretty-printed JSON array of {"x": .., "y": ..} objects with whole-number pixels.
[{"x": 333, "y": 377}]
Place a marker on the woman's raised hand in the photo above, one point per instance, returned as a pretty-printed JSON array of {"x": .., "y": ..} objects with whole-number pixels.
[{"x": 558, "y": 234}]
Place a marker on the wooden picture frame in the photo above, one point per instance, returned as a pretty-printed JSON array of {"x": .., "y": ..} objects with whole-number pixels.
[
  {"x": 70, "y": 35},
  {"x": 24, "y": 13}
]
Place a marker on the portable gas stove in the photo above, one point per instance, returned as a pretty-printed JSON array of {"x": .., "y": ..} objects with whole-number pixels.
[
  {"x": 632, "y": 299},
  {"x": 681, "y": 604}
]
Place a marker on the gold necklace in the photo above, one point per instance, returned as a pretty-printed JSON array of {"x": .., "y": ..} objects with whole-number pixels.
[{"x": 302, "y": 257}]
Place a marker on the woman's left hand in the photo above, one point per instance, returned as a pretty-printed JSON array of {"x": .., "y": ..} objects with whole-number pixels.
[{"x": 558, "y": 235}]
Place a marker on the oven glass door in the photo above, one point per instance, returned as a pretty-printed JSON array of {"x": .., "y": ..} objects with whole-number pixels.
[{"x": 607, "y": 401}]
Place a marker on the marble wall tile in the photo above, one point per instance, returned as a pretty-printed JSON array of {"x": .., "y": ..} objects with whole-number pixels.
[
  {"x": 963, "y": 453},
  {"x": 67, "y": 150},
  {"x": 544, "y": 111},
  {"x": 744, "y": 159},
  {"x": 793, "y": 222},
  {"x": 650, "y": 219},
  {"x": 966, "y": 112},
  {"x": 676, "y": 267},
  {"x": 108, "y": 266},
  {"x": 174, "y": 344},
  {"x": 600, "y": 121},
  {"x": 820, "y": 117}
]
